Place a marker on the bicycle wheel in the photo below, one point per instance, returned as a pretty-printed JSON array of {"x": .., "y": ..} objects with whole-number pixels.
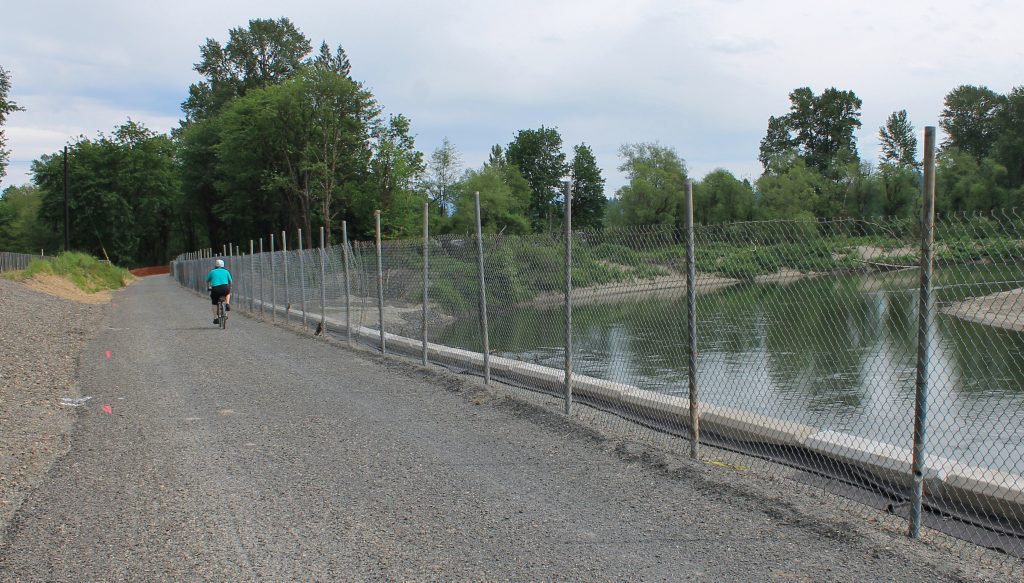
[{"x": 222, "y": 315}]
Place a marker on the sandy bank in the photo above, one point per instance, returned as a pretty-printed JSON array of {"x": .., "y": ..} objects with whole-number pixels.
[{"x": 1002, "y": 310}]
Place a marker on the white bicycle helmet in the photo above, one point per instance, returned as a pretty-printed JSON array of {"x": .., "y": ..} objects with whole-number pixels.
[{"x": 219, "y": 263}]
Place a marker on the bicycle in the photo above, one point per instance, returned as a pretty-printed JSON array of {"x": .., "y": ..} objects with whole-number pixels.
[{"x": 222, "y": 314}]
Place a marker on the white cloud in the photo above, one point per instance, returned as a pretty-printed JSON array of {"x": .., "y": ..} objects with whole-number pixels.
[{"x": 703, "y": 75}]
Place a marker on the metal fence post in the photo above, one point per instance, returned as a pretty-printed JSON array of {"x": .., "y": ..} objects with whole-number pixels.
[
  {"x": 323, "y": 285},
  {"x": 302, "y": 283},
  {"x": 924, "y": 309},
  {"x": 261, "y": 278},
  {"x": 691, "y": 327},
  {"x": 287, "y": 295},
  {"x": 273, "y": 283},
  {"x": 348, "y": 289},
  {"x": 426, "y": 274},
  {"x": 380, "y": 286},
  {"x": 568, "y": 297},
  {"x": 483, "y": 293}
]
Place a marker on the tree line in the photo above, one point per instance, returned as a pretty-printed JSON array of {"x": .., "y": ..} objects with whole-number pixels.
[{"x": 277, "y": 135}]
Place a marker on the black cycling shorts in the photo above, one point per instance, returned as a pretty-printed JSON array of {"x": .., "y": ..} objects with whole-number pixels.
[{"x": 219, "y": 291}]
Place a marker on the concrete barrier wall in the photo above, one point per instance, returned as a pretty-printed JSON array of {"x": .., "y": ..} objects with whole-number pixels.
[{"x": 985, "y": 491}]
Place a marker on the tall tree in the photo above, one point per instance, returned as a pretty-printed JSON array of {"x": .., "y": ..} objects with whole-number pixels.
[
  {"x": 538, "y": 156},
  {"x": 395, "y": 169},
  {"x": 1008, "y": 148},
  {"x": 443, "y": 169},
  {"x": 588, "y": 200},
  {"x": 294, "y": 154},
  {"x": 261, "y": 184},
  {"x": 657, "y": 182},
  {"x": 342, "y": 114},
  {"x": 969, "y": 119},
  {"x": 265, "y": 53},
  {"x": 337, "y": 61},
  {"x": 819, "y": 127},
  {"x": 6, "y": 107},
  {"x": 496, "y": 157},
  {"x": 777, "y": 146},
  {"x": 899, "y": 144}
]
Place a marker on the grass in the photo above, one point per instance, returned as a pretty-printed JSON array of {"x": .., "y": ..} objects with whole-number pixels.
[{"x": 85, "y": 271}]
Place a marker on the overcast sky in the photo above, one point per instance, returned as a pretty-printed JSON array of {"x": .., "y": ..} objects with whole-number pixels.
[{"x": 702, "y": 76}]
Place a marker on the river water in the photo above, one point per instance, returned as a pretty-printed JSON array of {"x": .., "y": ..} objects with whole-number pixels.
[{"x": 831, "y": 352}]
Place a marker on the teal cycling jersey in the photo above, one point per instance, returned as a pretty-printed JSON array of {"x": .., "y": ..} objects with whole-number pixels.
[{"x": 218, "y": 276}]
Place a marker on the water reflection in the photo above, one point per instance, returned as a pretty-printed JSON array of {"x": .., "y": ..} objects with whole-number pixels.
[{"x": 831, "y": 352}]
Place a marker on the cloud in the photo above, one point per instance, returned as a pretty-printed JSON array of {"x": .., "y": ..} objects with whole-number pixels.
[
  {"x": 702, "y": 76},
  {"x": 739, "y": 46}
]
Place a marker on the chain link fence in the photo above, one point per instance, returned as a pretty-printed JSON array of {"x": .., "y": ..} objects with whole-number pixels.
[
  {"x": 17, "y": 261},
  {"x": 807, "y": 342}
]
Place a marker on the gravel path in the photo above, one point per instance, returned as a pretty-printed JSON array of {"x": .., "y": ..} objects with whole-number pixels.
[
  {"x": 40, "y": 339},
  {"x": 256, "y": 454}
]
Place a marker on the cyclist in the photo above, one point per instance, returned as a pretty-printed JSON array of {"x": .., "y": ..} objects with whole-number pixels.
[{"x": 219, "y": 283}]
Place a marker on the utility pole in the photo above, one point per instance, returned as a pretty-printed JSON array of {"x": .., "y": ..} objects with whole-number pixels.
[{"x": 67, "y": 212}]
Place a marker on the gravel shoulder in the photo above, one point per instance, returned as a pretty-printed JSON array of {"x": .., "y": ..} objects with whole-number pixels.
[
  {"x": 41, "y": 336},
  {"x": 258, "y": 454}
]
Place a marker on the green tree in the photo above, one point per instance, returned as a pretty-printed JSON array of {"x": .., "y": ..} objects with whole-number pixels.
[
  {"x": 721, "y": 198},
  {"x": 964, "y": 184},
  {"x": 865, "y": 194},
  {"x": 443, "y": 172},
  {"x": 588, "y": 200},
  {"x": 294, "y": 154},
  {"x": 337, "y": 61},
  {"x": 901, "y": 188},
  {"x": 504, "y": 200},
  {"x": 819, "y": 127},
  {"x": 20, "y": 228},
  {"x": 777, "y": 146},
  {"x": 342, "y": 116},
  {"x": 265, "y": 53},
  {"x": 969, "y": 119},
  {"x": 125, "y": 195},
  {"x": 791, "y": 194},
  {"x": 539, "y": 157},
  {"x": 657, "y": 182},
  {"x": 1008, "y": 148},
  {"x": 6, "y": 108},
  {"x": 899, "y": 144},
  {"x": 496, "y": 157},
  {"x": 395, "y": 170},
  {"x": 260, "y": 185}
]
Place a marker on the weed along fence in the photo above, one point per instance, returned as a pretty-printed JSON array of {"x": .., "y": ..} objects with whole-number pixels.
[{"x": 882, "y": 359}]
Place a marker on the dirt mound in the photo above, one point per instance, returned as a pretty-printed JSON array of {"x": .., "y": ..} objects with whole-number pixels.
[{"x": 62, "y": 288}]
